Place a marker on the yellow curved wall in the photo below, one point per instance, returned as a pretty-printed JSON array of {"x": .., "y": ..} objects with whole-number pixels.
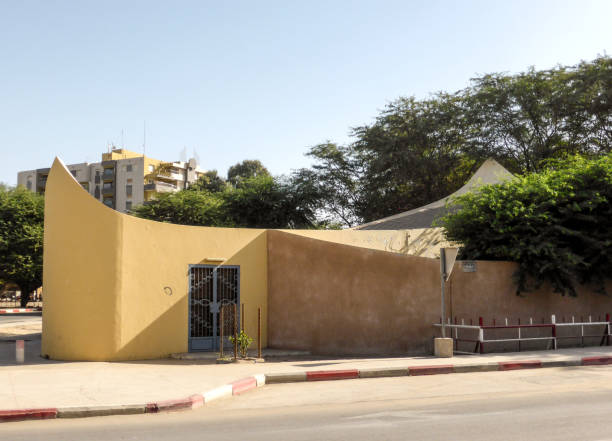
[
  {"x": 105, "y": 273},
  {"x": 81, "y": 274}
]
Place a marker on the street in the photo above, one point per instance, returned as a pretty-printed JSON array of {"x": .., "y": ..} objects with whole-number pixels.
[
  {"x": 552, "y": 404},
  {"x": 24, "y": 318}
]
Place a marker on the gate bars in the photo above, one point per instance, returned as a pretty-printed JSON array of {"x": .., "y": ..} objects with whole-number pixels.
[
  {"x": 553, "y": 326},
  {"x": 228, "y": 325}
]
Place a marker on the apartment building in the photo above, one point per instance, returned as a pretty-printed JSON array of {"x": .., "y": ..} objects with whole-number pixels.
[{"x": 123, "y": 179}]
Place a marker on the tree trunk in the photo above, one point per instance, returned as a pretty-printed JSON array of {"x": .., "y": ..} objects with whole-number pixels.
[{"x": 25, "y": 296}]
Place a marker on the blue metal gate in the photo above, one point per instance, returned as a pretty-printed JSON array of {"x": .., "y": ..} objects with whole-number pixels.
[{"x": 210, "y": 288}]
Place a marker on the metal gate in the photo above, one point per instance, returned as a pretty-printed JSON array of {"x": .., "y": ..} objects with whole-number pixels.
[{"x": 210, "y": 287}]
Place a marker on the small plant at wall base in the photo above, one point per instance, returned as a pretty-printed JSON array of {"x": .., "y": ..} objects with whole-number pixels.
[
  {"x": 244, "y": 341},
  {"x": 556, "y": 224}
]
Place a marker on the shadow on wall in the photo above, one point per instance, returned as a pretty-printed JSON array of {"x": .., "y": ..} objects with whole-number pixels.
[{"x": 340, "y": 299}]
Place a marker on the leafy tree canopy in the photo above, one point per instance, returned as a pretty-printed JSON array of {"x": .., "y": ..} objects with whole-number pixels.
[
  {"x": 209, "y": 181},
  {"x": 418, "y": 151},
  {"x": 246, "y": 169},
  {"x": 21, "y": 239},
  {"x": 556, "y": 224},
  {"x": 259, "y": 201},
  {"x": 265, "y": 202},
  {"x": 187, "y": 207},
  {"x": 332, "y": 183}
]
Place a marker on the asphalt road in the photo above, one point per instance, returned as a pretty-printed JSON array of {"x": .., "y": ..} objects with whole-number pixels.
[
  {"x": 549, "y": 404},
  {"x": 9, "y": 320}
]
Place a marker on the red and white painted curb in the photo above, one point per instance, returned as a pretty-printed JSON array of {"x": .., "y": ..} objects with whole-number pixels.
[
  {"x": 18, "y": 310},
  {"x": 249, "y": 383}
]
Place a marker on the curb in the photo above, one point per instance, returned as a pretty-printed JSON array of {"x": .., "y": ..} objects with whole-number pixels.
[
  {"x": 18, "y": 310},
  {"x": 246, "y": 384},
  {"x": 27, "y": 414},
  {"x": 596, "y": 361},
  {"x": 331, "y": 375}
]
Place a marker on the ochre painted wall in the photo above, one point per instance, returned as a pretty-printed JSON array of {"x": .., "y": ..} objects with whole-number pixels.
[
  {"x": 81, "y": 275},
  {"x": 339, "y": 299},
  {"x": 105, "y": 273},
  {"x": 157, "y": 255}
]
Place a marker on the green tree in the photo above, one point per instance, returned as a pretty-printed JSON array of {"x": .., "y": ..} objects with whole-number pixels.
[
  {"x": 556, "y": 224},
  {"x": 187, "y": 207},
  {"x": 533, "y": 116},
  {"x": 209, "y": 181},
  {"x": 330, "y": 184},
  {"x": 21, "y": 239},
  {"x": 267, "y": 202},
  {"x": 259, "y": 201},
  {"x": 412, "y": 155},
  {"x": 248, "y": 168},
  {"x": 418, "y": 151}
]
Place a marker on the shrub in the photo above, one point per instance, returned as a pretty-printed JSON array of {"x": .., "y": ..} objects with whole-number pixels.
[{"x": 556, "y": 224}]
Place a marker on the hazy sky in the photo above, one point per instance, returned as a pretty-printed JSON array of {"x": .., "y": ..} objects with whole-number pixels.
[{"x": 253, "y": 80}]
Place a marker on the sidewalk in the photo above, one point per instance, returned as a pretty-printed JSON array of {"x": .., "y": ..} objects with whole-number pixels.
[{"x": 43, "y": 383}]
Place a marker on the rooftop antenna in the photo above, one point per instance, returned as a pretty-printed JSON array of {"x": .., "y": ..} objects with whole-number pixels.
[{"x": 196, "y": 157}]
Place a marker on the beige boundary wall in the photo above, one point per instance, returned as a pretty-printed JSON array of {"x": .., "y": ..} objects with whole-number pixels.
[{"x": 346, "y": 300}]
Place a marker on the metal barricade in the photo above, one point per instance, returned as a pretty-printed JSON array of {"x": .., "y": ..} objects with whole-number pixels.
[{"x": 478, "y": 332}]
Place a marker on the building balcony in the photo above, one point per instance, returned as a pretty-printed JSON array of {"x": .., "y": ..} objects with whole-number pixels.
[
  {"x": 161, "y": 187},
  {"x": 108, "y": 190},
  {"x": 171, "y": 176}
]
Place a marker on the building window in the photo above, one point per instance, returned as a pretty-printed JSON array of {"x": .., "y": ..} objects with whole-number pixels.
[
  {"x": 107, "y": 186},
  {"x": 128, "y": 168},
  {"x": 128, "y": 190},
  {"x": 29, "y": 185},
  {"x": 85, "y": 185},
  {"x": 108, "y": 202},
  {"x": 128, "y": 205},
  {"x": 108, "y": 172},
  {"x": 74, "y": 173},
  {"x": 97, "y": 192}
]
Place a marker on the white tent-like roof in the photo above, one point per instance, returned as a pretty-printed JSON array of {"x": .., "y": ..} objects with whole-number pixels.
[{"x": 490, "y": 172}]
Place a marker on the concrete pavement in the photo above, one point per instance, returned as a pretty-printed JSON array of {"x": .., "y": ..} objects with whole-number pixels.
[
  {"x": 171, "y": 384},
  {"x": 536, "y": 404}
]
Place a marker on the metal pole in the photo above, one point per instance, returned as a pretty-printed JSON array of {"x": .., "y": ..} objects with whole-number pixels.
[
  {"x": 258, "y": 332},
  {"x": 19, "y": 351},
  {"x": 221, "y": 332},
  {"x": 235, "y": 333},
  {"x": 242, "y": 318},
  {"x": 608, "y": 327},
  {"x": 443, "y": 283}
]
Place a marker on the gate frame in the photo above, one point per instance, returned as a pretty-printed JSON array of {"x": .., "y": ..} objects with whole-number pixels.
[{"x": 215, "y": 315}]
